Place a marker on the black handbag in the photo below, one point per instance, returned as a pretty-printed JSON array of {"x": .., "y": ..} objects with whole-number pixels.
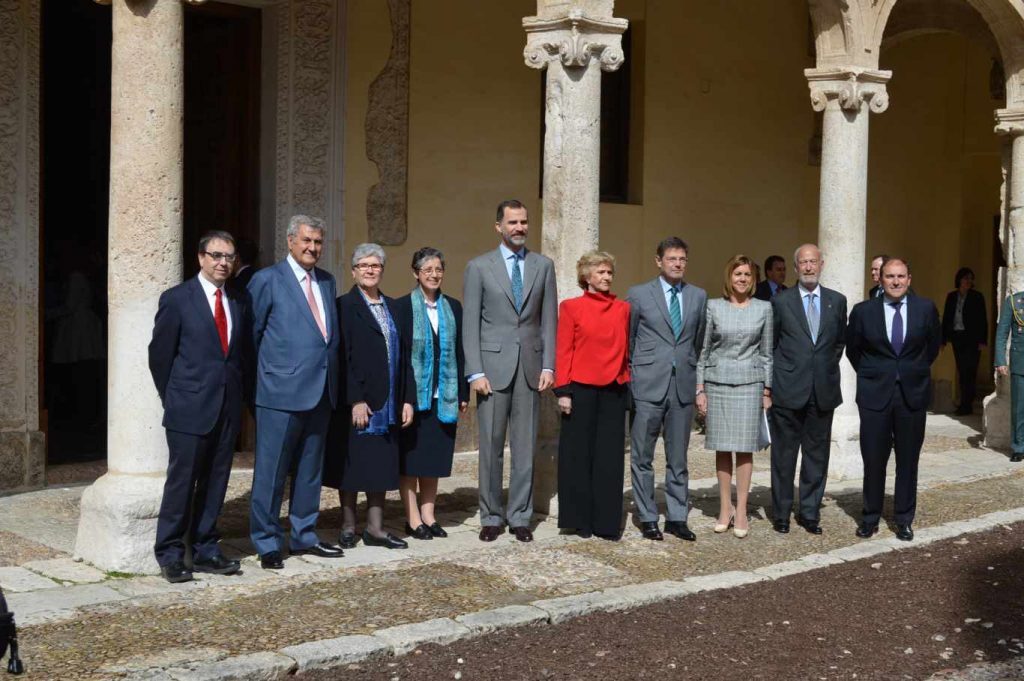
[{"x": 9, "y": 638}]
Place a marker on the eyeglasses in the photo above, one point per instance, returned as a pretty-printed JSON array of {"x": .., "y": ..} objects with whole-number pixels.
[
  {"x": 432, "y": 270},
  {"x": 364, "y": 266},
  {"x": 217, "y": 255}
]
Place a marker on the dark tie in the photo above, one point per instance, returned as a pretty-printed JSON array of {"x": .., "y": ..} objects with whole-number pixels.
[
  {"x": 517, "y": 283},
  {"x": 675, "y": 313},
  {"x": 221, "y": 320},
  {"x": 897, "y": 329}
]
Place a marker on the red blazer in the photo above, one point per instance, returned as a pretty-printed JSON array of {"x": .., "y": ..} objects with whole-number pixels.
[{"x": 592, "y": 343}]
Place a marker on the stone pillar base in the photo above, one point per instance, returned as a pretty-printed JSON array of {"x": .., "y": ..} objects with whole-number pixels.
[
  {"x": 996, "y": 418},
  {"x": 117, "y": 523},
  {"x": 545, "y": 457},
  {"x": 844, "y": 460},
  {"x": 22, "y": 460}
]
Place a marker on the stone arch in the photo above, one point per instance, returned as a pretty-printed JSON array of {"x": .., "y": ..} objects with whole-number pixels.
[{"x": 912, "y": 18}]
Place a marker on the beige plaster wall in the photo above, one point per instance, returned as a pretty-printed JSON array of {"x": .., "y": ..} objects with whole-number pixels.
[{"x": 726, "y": 123}]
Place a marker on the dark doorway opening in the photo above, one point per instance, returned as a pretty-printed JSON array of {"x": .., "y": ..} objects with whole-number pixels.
[{"x": 221, "y": 190}]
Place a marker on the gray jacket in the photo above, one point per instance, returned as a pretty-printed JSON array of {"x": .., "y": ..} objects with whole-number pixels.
[
  {"x": 737, "y": 344},
  {"x": 494, "y": 336},
  {"x": 653, "y": 348}
]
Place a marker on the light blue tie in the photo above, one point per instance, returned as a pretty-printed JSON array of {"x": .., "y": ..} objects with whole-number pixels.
[
  {"x": 517, "y": 283},
  {"x": 675, "y": 314},
  {"x": 813, "y": 318}
]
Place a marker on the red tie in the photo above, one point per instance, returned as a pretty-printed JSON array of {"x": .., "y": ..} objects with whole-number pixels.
[{"x": 221, "y": 320}]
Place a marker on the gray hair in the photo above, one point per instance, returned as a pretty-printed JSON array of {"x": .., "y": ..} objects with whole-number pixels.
[
  {"x": 316, "y": 224},
  {"x": 366, "y": 251},
  {"x": 796, "y": 253}
]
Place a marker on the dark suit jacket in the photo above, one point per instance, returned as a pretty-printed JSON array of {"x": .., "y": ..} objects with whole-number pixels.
[
  {"x": 801, "y": 365},
  {"x": 764, "y": 290},
  {"x": 975, "y": 317},
  {"x": 873, "y": 293},
  {"x": 192, "y": 376},
  {"x": 879, "y": 369},
  {"x": 402, "y": 311},
  {"x": 364, "y": 356}
]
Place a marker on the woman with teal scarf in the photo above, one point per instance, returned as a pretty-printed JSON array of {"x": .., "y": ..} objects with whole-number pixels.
[{"x": 433, "y": 323}]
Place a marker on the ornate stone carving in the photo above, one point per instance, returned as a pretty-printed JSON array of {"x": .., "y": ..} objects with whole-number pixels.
[
  {"x": 387, "y": 136},
  {"x": 1010, "y": 122},
  {"x": 575, "y": 40},
  {"x": 851, "y": 87}
]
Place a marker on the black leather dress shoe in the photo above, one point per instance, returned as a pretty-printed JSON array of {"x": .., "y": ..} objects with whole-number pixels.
[
  {"x": 176, "y": 572},
  {"x": 812, "y": 526},
  {"x": 388, "y": 541},
  {"x": 421, "y": 531},
  {"x": 271, "y": 561},
  {"x": 1017, "y": 457},
  {"x": 781, "y": 526},
  {"x": 522, "y": 533},
  {"x": 348, "y": 540},
  {"x": 490, "y": 532},
  {"x": 437, "y": 531},
  {"x": 650, "y": 531},
  {"x": 217, "y": 565},
  {"x": 679, "y": 529},
  {"x": 904, "y": 532},
  {"x": 865, "y": 530},
  {"x": 322, "y": 549},
  {"x": 584, "y": 533}
]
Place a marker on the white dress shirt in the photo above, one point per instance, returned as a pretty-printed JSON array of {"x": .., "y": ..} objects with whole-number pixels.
[
  {"x": 300, "y": 274},
  {"x": 890, "y": 313},
  {"x": 210, "y": 289}
]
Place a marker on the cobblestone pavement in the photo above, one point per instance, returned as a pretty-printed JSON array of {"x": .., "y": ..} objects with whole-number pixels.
[{"x": 79, "y": 623}]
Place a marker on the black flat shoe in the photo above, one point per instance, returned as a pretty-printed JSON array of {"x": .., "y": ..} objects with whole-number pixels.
[
  {"x": 437, "y": 531},
  {"x": 421, "y": 531},
  {"x": 348, "y": 540},
  {"x": 812, "y": 526},
  {"x": 904, "y": 532},
  {"x": 388, "y": 541},
  {"x": 176, "y": 572},
  {"x": 217, "y": 565},
  {"x": 865, "y": 530},
  {"x": 679, "y": 529},
  {"x": 322, "y": 549},
  {"x": 271, "y": 561}
]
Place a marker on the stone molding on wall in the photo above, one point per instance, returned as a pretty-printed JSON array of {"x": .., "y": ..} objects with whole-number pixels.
[
  {"x": 574, "y": 39},
  {"x": 1010, "y": 122},
  {"x": 852, "y": 87},
  {"x": 21, "y": 444},
  {"x": 387, "y": 136}
]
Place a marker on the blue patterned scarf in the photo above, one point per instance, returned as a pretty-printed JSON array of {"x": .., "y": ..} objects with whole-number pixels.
[
  {"x": 381, "y": 420},
  {"x": 423, "y": 357}
]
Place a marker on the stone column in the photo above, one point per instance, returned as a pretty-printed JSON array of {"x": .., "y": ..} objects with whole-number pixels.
[
  {"x": 117, "y": 524},
  {"x": 845, "y": 95},
  {"x": 1011, "y": 126},
  {"x": 574, "y": 41},
  {"x": 22, "y": 454}
]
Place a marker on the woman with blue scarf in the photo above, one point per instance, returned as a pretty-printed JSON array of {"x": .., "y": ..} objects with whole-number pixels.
[
  {"x": 433, "y": 323},
  {"x": 379, "y": 389}
]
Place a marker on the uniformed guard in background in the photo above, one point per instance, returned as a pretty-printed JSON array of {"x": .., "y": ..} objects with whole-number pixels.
[{"x": 1011, "y": 324}]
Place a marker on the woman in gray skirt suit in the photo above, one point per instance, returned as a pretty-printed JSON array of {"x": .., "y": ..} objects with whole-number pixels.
[{"x": 734, "y": 385}]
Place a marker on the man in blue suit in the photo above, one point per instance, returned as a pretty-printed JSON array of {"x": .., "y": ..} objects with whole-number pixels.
[
  {"x": 891, "y": 342},
  {"x": 199, "y": 358},
  {"x": 296, "y": 337}
]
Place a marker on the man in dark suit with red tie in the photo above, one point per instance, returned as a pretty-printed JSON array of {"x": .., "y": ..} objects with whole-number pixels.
[
  {"x": 891, "y": 342},
  {"x": 199, "y": 359}
]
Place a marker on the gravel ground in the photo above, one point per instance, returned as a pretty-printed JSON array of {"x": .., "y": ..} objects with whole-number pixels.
[{"x": 905, "y": 615}]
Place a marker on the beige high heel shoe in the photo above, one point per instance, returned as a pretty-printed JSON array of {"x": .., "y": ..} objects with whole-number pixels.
[
  {"x": 740, "y": 534},
  {"x": 719, "y": 529}
]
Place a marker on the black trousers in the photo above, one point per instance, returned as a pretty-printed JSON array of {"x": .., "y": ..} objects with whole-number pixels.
[
  {"x": 591, "y": 455},
  {"x": 896, "y": 427},
  {"x": 808, "y": 429},
  {"x": 966, "y": 353},
  {"x": 198, "y": 469}
]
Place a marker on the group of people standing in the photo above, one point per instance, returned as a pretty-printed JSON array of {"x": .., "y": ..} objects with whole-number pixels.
[{"x": 362, "y": 392}]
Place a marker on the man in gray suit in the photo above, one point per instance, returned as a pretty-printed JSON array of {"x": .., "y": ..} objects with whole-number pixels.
[
  {"x": 666, "y": 332},
  {"x": 510, "y": 315}
]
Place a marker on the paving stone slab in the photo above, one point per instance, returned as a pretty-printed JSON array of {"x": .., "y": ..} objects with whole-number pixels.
[
  {"x": 334, "y": 652},
  {"x": 407, "y": 637},
  {"x": 1009, "y": 516},
  {"x": 66, "y": 570},
  {"x": 633, "y": 595},
  {"x": 64, "y": 598},
  {"x": 254, "y": 667},
  {"x": 16, "y": 579},
  {"x": 360, "y": 556},
  {"x": 569, "y": 607},
  {"x": 140, "y": 665},
  {"x": 971, "y": 525},
  {"x": 862, "y": 550},
  {"x": 788, "y": 568},
  {"x": 722, "y": 580},
  {"x": 137, "y": 587},
  {"x": 927, "y": 535},
  {"x": 486, "y": 621}
]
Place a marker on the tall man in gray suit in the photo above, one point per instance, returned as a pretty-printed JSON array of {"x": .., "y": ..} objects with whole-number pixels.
[
  {"x": 810, "y": 334},
  {"x": 666, "y": 332},
  {"x": 510, "y": 315}
]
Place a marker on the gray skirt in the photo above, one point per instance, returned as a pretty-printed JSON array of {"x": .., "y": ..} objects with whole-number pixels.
[{"x": 734, "y": 416}]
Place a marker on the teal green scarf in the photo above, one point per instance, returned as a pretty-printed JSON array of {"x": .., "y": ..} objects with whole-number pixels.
[{"x": 423, "y": 358}]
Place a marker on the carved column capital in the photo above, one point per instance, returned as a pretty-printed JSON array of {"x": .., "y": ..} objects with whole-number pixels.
[
  {"x": 574, "y": 39},
  {"x": 851, "y": 86},
  {"x": 1010, "y": 122}
]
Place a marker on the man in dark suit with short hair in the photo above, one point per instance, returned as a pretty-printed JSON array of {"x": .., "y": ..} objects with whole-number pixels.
[
  {"x": 774, "y": 278},
  {"x": 810, "y": 333},
  {"x": 199, "y": 359},
  {"x": 892, "y": 342}
]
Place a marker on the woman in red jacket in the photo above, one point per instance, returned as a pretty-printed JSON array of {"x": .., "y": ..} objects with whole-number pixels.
[{"x": 591, "y": 380}]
